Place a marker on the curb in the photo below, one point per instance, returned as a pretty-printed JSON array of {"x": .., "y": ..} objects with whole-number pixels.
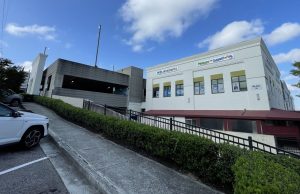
[{"x": 102, "y": 184}]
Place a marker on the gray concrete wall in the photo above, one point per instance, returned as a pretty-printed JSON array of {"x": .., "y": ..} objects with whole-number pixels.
[
  {"x": 63, "y": 67},
  {"x": 136, "y": 83},
  {"x": 96, "y": 97},
  {"x": 51, "y": 71},
  {"x": 90, "y": 72}
]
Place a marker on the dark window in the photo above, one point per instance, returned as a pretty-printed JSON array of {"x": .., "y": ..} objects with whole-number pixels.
[
  {"x": 155, "y": 92},
  {"x": 167, "y": 91},
  {"x": 78, "y": 83},
  {"x": 279, "y": 123},
  {"x": 4, "y": 111},
  {"x": 212, "y": 123},
  {"x": 199, "y": 88},
  {"x": 179, "y": 90},
  {"x": 190, "y": 122},
  {"x": 239, "y": 83},
  {"x": 49, "y": 82},
  {"x": 217, "y": 86},
  {"x": 245, "y": 126}
]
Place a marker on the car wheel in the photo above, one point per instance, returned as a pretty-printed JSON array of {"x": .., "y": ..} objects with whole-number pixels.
[
  {"x": 15, "y": 102},
  {"x": 31, "y": 138}
]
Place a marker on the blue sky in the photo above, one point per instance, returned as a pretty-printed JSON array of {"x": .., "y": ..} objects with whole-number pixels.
[{"x": 145, "y": 33}]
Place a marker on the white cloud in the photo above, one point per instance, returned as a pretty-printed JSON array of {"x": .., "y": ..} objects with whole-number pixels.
[
  {"x": 238, "y": 31},
  {"x": 290, "y": 77},
  {"x": 233, "y": 32},
  {"x": 158, "y": 19},
  {"x": 45, "y": 32},
  {"x": 293, "y": 88},
  {"x": 283, "y": 33},
  {"x": 26, "y": 64},
  {"x": 289, "y": 57}
]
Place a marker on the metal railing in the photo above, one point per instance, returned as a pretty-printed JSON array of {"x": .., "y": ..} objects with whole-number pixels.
[
  {"x": 174, "y": 125},
  {"x": 214, "y": 135}
]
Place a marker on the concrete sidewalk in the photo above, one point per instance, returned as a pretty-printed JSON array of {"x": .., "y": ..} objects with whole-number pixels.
[{"x": 112, "y": 168}]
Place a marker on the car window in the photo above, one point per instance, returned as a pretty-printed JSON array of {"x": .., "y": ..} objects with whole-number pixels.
[
  {"x": 11, "y": 92},
  {"x": 4, "y": 111}
]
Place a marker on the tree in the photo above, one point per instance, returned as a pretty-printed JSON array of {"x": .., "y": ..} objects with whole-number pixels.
[
  {"x": 11, "y": 77},
  {"x": 296, "y": 72}
]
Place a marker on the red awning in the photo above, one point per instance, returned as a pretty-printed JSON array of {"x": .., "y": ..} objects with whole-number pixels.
[{"x": 273, "y": 114}]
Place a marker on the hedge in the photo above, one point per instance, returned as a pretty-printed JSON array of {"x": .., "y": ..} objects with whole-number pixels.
[
  {"x": 223, "y": 165},
  {"x": 254, "y": 173}
]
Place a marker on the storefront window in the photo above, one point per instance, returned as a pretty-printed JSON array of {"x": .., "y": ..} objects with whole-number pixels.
[
  {"x": 246, "y": 126},
  {"x": 190, "y": 122},
  {"x": 209, "y": 123}
]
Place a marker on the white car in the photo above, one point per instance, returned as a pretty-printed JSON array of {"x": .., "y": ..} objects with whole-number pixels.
[{"x": 23, "y": 127}]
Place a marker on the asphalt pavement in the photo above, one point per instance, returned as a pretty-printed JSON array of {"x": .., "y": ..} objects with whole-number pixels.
[{"x": 28, "y": 171}]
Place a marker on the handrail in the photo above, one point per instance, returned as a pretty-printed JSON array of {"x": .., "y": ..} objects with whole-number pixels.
[{"x": 213, "y": 134}]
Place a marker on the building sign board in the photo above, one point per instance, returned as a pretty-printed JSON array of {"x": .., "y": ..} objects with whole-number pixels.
[
  {"x": 216, "y": 59},
  {"x": 169, "y": 70}
]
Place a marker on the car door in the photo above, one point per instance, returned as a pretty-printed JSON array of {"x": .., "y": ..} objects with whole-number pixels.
[{"x": 10, "y": 126}]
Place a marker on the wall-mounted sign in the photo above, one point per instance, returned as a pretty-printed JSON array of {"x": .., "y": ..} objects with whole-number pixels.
[
  {"x": 256, "y": 87},
  {"x": 169, "y": 70},
  {"x": 217, "y": 59}
]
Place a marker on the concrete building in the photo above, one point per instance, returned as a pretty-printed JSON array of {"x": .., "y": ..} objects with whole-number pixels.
[
  {"x": 74, "y": 81},
  {"x": 35, "y": 77},
  {"x": 287, "y": 98},
  {"x": 234, "y": 89}
]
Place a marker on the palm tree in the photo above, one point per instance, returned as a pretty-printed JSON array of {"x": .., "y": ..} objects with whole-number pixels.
[{"x": 296, "y": 72}]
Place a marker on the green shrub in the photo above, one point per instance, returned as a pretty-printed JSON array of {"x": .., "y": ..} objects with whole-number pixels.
[
  {"x": 254, "y": 173},
  {"x": 27, "y": 97},
  {"x": 220, "y": 164}
]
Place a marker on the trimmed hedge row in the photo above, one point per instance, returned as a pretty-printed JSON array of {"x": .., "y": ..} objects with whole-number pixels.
[
  {"x": 220, "y": 164},
  {"x": 256, "y": 173}
]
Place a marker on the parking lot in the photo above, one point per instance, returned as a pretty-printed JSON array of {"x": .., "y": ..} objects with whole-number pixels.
[{"x": 28, "y": 171}]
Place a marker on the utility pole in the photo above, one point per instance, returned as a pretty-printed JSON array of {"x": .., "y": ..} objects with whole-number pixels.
[
  {"x": 99, "y": 31},
  {"x": 45, "y": 50}
]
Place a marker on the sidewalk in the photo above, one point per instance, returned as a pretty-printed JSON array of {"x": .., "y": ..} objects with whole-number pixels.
[{"x": 112, "y": 168}]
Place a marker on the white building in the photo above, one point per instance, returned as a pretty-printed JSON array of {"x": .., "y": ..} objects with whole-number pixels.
[
  {"x": 237, "y": 77},
  {"x": 235, "y": 89}
]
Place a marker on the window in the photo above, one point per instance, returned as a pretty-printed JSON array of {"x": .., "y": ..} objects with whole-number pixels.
[
  {"x": 246, "y": 126},
  {"x": 179, "y": 88},
  {"x": 155, "y": 92},
  {"x": 190, "y": 122},
  {"x": 79, "y": 83},
  {"x": 198, "y": 85},
  {"x": 5, "y": 112},
  {"x": 217, "y": 84},
  {"x": 49, "y": 82},
  {"x": 210, "y": 123},
  {"x": 167, "y": 91},
  {"x": 238, "y": 80}
]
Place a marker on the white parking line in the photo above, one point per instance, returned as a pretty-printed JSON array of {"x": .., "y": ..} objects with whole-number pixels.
[{"x": 22, "y": 165}]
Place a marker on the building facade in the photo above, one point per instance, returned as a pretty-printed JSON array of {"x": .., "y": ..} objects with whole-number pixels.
[
  {"x": 75, "y": 80},
  {"x": 235, "y": 88}
]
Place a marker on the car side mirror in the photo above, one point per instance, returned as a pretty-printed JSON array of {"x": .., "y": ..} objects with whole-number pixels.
[{"x": 15, "y": 114}]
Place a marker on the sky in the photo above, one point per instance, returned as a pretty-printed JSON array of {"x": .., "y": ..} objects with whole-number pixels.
[{"x": 144, "y": 33}]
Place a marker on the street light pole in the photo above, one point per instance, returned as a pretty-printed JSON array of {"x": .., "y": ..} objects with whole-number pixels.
[{"x": 99, "y": 31}]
